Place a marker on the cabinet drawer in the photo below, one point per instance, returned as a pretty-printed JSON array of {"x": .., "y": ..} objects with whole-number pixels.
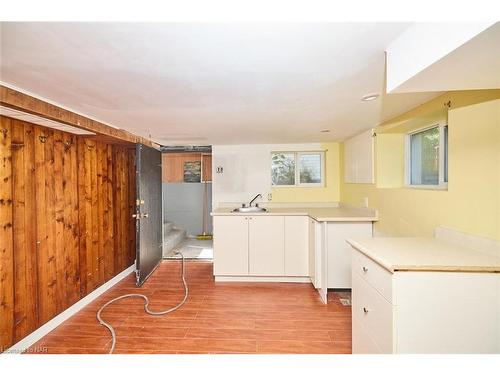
[
  {"x": 371, "y": 313},
  {"x": 362, "y": 343},
  {"x": 374, "y": 274}
]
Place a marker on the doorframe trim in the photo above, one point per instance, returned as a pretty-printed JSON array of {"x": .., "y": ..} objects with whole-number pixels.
[{"x": 36, "y": 335}]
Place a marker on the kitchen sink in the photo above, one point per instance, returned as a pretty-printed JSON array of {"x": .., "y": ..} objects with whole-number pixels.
[{"x": 248, "y": 210}]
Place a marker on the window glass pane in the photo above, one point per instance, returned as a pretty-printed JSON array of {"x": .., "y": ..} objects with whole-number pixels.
[
  {"x": 283, "y": 169},
  {"x": 310, "y": 168},
  {"x": 445, "y": 154},
  {"x": 424, "y": 157}
]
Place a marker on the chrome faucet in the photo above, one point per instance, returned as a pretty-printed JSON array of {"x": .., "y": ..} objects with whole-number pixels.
[{"x": 253, "y": 200}]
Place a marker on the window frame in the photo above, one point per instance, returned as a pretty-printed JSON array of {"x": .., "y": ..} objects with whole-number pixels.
[
  {"x": 442, "y": 185},
  {"x": 297, "y": 155}
]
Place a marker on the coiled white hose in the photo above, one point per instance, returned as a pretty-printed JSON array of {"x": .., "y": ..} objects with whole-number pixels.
[{"x": 146, "y": 304}]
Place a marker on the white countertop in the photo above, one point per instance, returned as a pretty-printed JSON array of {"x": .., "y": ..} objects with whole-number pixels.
[
  {"x": 424, "y": 254},
  {"x": 341, "y": 213}
]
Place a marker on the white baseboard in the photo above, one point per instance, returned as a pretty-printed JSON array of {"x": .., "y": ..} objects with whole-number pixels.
[
  {"x": 265, "y": 279},
  {"x": 33, "y": 337}
]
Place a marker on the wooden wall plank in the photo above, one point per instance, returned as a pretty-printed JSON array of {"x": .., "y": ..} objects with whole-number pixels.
[
  {"x": 24, "y": 241},
  {"x": 100, "y": 212},
  {"x": 206, "y": 162},
  {"x": 70, "y": 191},
  {"x": 95, "y": 214},
  {"x": 46, "y": 298},
  {"x": 125, "y": 210},
  {"x": 6, "y": 238},
  {"x": 118, "y": 165},
  {"x": 82, "y": 216},
  {"x": 109, "y": 268},
  {"x": 59, "y": 244}
]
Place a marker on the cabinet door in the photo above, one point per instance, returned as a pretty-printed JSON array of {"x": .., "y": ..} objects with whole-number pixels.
[
  {"x": 339, "y": 251},
  {"x": 230, "y": 245},
  {"x": 296, "y": 245},
  {"x": 358, "y": 158},
  {"x": 266, "y": 245}
]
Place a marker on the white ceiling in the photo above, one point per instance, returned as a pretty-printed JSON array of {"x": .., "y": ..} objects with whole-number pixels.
[{"x": 211, "y": 83}]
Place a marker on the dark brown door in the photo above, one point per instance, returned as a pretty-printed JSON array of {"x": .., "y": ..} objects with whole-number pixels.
[{"x": 148, "y": 212}]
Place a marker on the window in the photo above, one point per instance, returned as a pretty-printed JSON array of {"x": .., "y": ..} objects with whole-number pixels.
[
  {"x": 297, "y": 168},
  {"x": 427, "y": 157}
]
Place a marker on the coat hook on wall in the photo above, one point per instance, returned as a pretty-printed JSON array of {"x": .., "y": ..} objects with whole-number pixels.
[
  {"x": 43, "y": 138},
  {"x": 67, "y": 145},
  {"x": 90, "y": 147},
  {"x": 4, "y": 131}
]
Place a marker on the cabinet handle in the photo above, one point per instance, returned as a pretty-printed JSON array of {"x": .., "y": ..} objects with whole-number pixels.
[
  {"x": 365, "y": 270},
  {"x": 366, "y": 310}
]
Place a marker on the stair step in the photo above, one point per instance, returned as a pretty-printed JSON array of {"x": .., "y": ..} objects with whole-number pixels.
[{"x": 172, "y": 239}]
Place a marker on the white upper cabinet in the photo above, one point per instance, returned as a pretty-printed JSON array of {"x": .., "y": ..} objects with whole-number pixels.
[{"x": 359, "y": 158}]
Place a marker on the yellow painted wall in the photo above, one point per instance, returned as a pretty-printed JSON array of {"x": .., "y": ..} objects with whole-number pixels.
[
  {"x": 472, "y": 202},
  {"x": 329, "y": 193}
]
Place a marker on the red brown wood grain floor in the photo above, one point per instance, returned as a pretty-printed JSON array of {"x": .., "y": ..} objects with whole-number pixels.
[{"x": 217, "y": 318}]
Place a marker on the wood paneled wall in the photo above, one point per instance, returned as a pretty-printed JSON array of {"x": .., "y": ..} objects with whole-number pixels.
[
  {"x": 66, "y": 223},
  {"x": 173, "y": 166}
]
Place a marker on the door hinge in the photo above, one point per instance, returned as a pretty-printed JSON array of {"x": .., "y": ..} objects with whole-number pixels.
[{"x": 137, "y": 276}]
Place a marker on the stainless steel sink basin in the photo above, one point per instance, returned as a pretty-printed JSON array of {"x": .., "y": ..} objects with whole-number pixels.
[{"x": 248, "y": 210}]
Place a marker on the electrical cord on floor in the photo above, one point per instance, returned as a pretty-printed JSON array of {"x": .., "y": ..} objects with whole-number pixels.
[{"x": 146, "y": 304}]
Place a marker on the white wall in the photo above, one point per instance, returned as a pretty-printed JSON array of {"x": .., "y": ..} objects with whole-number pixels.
[{"x": 247, "y": 170}]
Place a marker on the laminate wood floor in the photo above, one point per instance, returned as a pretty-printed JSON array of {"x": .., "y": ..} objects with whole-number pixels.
[{"x": 217, "y": 318}]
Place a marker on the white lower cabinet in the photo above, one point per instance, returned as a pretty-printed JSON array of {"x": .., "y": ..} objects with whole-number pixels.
[
  {"x": 296, "y": 246},
  {"x": 339, "y": 251},
  {"x": 266, "y": 245},
  {"x": 423, "y": 312},
  {"x": 259, "y": 245},
  {"x": 230, "y": 245}
]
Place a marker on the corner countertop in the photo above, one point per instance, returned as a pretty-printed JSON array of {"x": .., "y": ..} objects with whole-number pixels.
[
  {"x": 339, "y": 213},
  {"x": 424, "y": 254}
]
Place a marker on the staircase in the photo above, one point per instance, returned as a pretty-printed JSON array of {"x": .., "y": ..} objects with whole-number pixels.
[{"x": 172, "y": 237}]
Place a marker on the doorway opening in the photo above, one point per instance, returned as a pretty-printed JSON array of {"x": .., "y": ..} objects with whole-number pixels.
[{"x": 187, "y": 202}]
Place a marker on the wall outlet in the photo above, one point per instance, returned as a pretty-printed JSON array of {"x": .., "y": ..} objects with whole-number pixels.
[{"x": 365, "y": 202}]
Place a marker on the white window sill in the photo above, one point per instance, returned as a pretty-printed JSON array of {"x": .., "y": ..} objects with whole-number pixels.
[
  {"x": 428, "y": 187},
  {"x": 298, "y": 186}
]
